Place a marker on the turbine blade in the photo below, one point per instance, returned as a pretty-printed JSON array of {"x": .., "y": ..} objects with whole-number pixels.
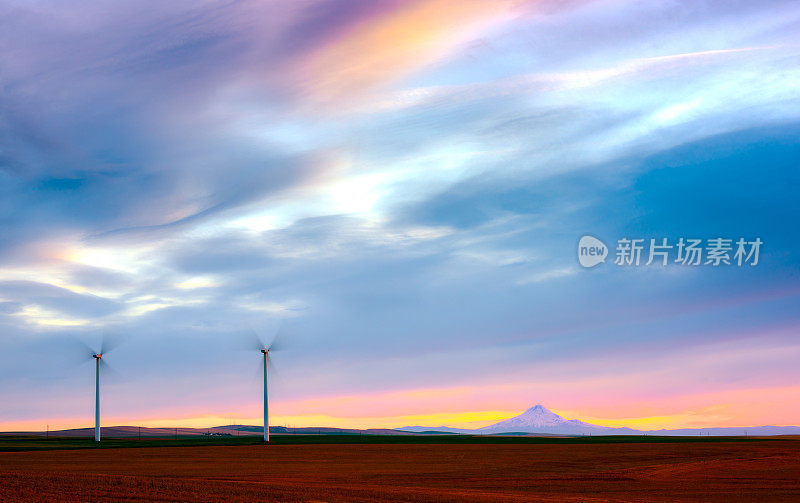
[
  {"x": 247, "y": 340},
  {"x": 59, "y": 356},
  {"x": 258, "y": 370},
  {"x": 110, "y": 341},
  {"x": 82, "y": 346},
  {"x": 278, "y": 341},
  {"x": 72, "y": 351},
  {"x": 274, "y": 374},
  {"x": 108, "y": 373},
  {"x": 256, "y": 341}
]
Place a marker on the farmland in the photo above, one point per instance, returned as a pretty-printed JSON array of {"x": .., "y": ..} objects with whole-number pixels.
[{"x": 421, "y": 468}]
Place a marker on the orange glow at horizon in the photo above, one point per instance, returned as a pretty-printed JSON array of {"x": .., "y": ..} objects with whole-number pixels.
[{"x": 704, "y": 410}]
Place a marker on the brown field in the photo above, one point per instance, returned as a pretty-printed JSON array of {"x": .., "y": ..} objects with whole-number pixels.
[{"x": 713, "y": 471}]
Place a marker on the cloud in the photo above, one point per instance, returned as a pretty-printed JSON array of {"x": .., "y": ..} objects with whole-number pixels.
[
  {"x": 55, "y": 298},
  {"x": 396, "y": 44}
]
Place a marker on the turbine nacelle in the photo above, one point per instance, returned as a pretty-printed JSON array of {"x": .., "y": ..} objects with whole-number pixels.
[
  {"x": 97, "y": 355},
  {"x": 265, "y": 351}
]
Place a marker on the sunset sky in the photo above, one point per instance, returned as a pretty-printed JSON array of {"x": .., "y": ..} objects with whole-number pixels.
[{"x": 399, "y": 187}]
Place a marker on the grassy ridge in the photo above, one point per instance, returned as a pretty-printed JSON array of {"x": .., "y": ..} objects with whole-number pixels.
[{"x": 12, "y": 443}]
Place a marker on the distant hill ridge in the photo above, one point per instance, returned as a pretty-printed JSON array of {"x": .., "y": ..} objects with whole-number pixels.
[
  {"x": 233, "y": 430},
  {"x": 536, "y": 420}
]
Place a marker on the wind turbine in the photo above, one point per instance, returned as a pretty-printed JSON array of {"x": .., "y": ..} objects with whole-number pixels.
[
  {"x": 97, "y": 357},
  {"x": 265, "y": 350},
  {"x": 107, "y": 345},
  {"x": 266, "y": 393}
]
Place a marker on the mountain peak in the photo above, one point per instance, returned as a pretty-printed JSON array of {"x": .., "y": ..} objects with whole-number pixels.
[
  {"x": 535, "y": 418},
  {"x": 538, "y": 408},
  {"x": 540, "y": 411}
]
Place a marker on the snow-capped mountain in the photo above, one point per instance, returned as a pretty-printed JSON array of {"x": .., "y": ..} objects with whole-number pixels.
[{"x": 538, "y": 419}]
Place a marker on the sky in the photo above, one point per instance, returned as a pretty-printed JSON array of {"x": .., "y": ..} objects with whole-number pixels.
[{"x": 397, "y": 188}]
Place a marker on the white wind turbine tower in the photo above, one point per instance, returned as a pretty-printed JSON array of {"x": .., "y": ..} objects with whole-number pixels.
[
  {"x": 267, "y": 363},
  {"x": 97, "y": 357},
  {"x": 100, "y": 366},
  {"x": 266, "y": 394}
]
